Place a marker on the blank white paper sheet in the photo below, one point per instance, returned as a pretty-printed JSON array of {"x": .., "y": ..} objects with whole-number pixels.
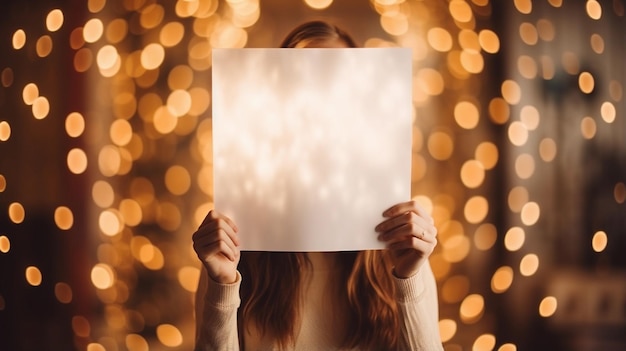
[{"x": 310, "y": 146}]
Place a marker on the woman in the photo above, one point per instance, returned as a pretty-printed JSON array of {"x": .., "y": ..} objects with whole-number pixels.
[{"x": 366, "y": 300}]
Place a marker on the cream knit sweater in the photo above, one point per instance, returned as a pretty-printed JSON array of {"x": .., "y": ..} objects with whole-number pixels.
[{"x": 321, "y": 327}]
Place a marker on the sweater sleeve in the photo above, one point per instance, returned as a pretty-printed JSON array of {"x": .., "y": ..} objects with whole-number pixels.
[
  {"x": 419, "y": 311},
  {"x": 216, "y": 314}
]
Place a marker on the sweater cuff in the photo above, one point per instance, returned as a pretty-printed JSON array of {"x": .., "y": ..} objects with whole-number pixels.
[
  {"x": 409, "y": 289},
  {"x": 223, "y": 295}
]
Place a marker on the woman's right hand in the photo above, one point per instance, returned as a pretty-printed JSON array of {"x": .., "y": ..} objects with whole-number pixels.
[{"x": 217, "y": 245}]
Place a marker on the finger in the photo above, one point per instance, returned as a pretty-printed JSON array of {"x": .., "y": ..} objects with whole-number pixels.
[
  {"x": 205, "y": 246},
  {"x": 402, "y": 219},
  {"x": 209, "y": 235},
  {"x": 403, "y": 207},
  {"x": 216, "y": 224},
  {"x": 203, "y": 242},
  {"x": 219, "y": 247},
  {"x": 214, "y": 216},
  {"x": 400, "y": 208},
  {"x": 389, "y": 240},
  {"x": 414, "y": 244},
  {"x": 393, "y": 222},
  {"x": 407, "y": 230}
]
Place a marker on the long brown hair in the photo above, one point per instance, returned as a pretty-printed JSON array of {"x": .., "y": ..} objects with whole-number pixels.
[
  {"x": 313, "y": 31},
  {"x": 271, "y": 284},
  {"x": 271, "y": 296}
]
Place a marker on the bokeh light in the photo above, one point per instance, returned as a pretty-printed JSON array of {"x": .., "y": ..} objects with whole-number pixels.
[
  {"x": 63, "y": 217},
  {"x": 529, "y": 265},
  {"x": 17, "y": 212},
  {"x": 102, "y": 276},
  {"x": 472, "y": 308},
  {"x": 502, "y": 279},
  {"x": 5, "y": 131},
  {"x": 548, "y": 306},
  {"x": 599, "y": 241},
  {"x": 484, "y": 342},
  {"x": 5, "y": 244},
  {"x": 54, "y": 20},
  {"x": 447, "y": 329},
  {"x": 514, "y": 238},
  {"x": 63, "y": 292},
  {"x": 19, "y": 39},
  {"x": 33, "y": 276},
  {"x": 169, "y": 335}
]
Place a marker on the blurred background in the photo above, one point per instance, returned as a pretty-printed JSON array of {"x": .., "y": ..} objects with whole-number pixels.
[{"x": 105, "y": 163}]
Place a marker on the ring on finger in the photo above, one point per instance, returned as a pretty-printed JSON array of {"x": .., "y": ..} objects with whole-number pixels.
[{"x": 422, "y": 234}]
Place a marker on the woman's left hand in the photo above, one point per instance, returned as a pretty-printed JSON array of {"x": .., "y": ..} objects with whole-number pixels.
[{"x": 410, "y": 235}]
